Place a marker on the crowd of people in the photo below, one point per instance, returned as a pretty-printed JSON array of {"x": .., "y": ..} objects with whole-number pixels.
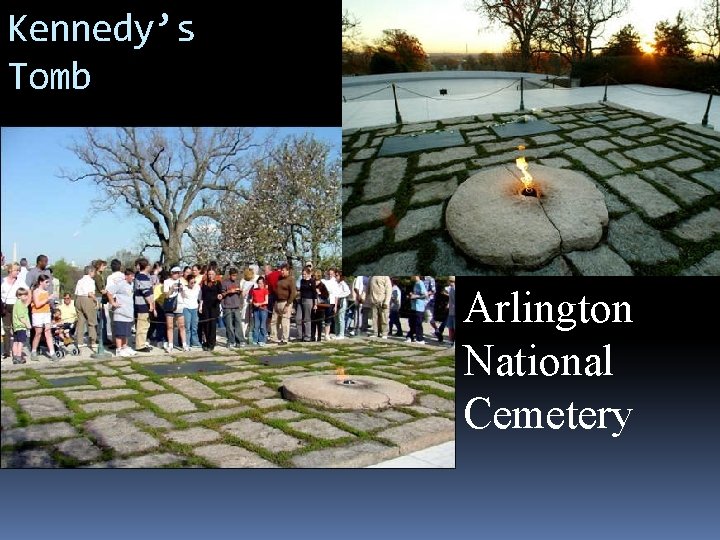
[{"x": 181, "y": 308}]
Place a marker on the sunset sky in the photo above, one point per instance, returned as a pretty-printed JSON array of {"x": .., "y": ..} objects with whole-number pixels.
[{"x": 448, "y": 26}]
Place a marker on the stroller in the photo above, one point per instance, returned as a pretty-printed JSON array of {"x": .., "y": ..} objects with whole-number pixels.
[{"x": 62, "y": 342}]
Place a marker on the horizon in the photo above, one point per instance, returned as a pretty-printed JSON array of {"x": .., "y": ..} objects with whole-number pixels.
[{"x": 457, "y": 30}]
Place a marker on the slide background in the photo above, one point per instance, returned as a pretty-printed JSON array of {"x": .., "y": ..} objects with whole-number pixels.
[
  {"x": 279, "y": 66},
  {"x": 659, "y": 479}
]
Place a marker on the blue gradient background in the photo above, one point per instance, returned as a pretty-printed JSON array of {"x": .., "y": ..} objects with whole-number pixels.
[{"x": 659, "y": 479}]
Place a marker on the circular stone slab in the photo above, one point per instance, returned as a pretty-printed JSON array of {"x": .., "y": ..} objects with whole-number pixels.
[
  {"x": 492, "y": 222},
  {"x": 369, "y": 393}
]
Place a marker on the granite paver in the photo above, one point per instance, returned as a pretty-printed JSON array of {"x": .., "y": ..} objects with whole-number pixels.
[
  {"x": 659, "y": 170},
  {"x": 120, "y": 435}
]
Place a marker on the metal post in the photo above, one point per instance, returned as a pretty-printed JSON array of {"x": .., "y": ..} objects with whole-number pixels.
[
  {"x": 522, "y": 101},
  {"x": 606, "y": 83},
  {"x": 101, "y": 352},
  {"x": 707, "y": 109},
  {"x": 398, "y": 118}
]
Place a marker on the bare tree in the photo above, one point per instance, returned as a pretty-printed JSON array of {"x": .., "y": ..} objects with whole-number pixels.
[
  {"x": 521, "y": 16},
  {"x": 293, "y": 210},
  {"x": 169, "y": 177},
  {"x": 708, "y": 30},
  {"x": 350, "y": 29},
  {"x": 569, "y": 27}
]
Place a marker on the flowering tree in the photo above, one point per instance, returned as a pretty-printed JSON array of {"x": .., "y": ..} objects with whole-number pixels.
[{"x": 293, "y": 208}]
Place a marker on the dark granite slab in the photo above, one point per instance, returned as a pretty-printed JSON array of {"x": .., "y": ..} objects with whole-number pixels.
[{"x": 403, "y": 144}]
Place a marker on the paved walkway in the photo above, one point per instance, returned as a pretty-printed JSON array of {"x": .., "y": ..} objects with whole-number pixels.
[
  {"x": 660, "y": 178},
  {"x": 441, "y": 456},
  {"x": 147, "y": 412}
]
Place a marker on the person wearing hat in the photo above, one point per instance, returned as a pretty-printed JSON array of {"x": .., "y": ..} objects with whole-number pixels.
[{"x": 173, "y": 290}]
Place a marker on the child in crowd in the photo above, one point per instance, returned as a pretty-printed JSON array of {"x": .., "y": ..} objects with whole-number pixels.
[
  {"x": 260, "y": 298},
  {"x": 20, "y": 324}
]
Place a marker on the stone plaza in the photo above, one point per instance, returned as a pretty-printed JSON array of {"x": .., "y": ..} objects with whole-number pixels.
[
  {"x": 660, "y": 178},
  {"x": 222, "y": 409}
]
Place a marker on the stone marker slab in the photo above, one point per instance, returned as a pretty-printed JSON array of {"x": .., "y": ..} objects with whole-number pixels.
[
  {"x": 262, "y": 435},
  {"x": 68, "y": 381},
  {"x": 284, "y": 359},
  {"x": 420, "y": 434},
  {"x": 520, "y": 129},
  {"x": 120, "y": 434},
  {"x": 174, "y": 368},
  {"x": 355, "y": 456},
  {"x": 403, "y": 144},
  {"x": 492, "y": 222},
  {"x": 43, "y": 407},
  {"x": 232, "y": 457}
]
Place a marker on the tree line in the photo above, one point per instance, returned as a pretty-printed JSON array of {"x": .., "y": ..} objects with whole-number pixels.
[
  {"x": 546, "y": 36},
  {"x": 232, "y": 195}
]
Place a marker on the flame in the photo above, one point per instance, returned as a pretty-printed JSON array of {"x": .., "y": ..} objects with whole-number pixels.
[
  {"x": 521, "y": 164},
  {"x": 340, "y": 373}
]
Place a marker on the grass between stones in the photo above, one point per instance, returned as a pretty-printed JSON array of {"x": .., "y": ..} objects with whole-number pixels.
[
  {"x": 267, "y": 377},
  {"x": 693, "y": 144}
]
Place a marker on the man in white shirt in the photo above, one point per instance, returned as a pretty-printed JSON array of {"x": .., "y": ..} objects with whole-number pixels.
[
  {"x": 114, "y": 278},
  {"x": 332, "y": 287},
  {"x": 86, "y": 307}
]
